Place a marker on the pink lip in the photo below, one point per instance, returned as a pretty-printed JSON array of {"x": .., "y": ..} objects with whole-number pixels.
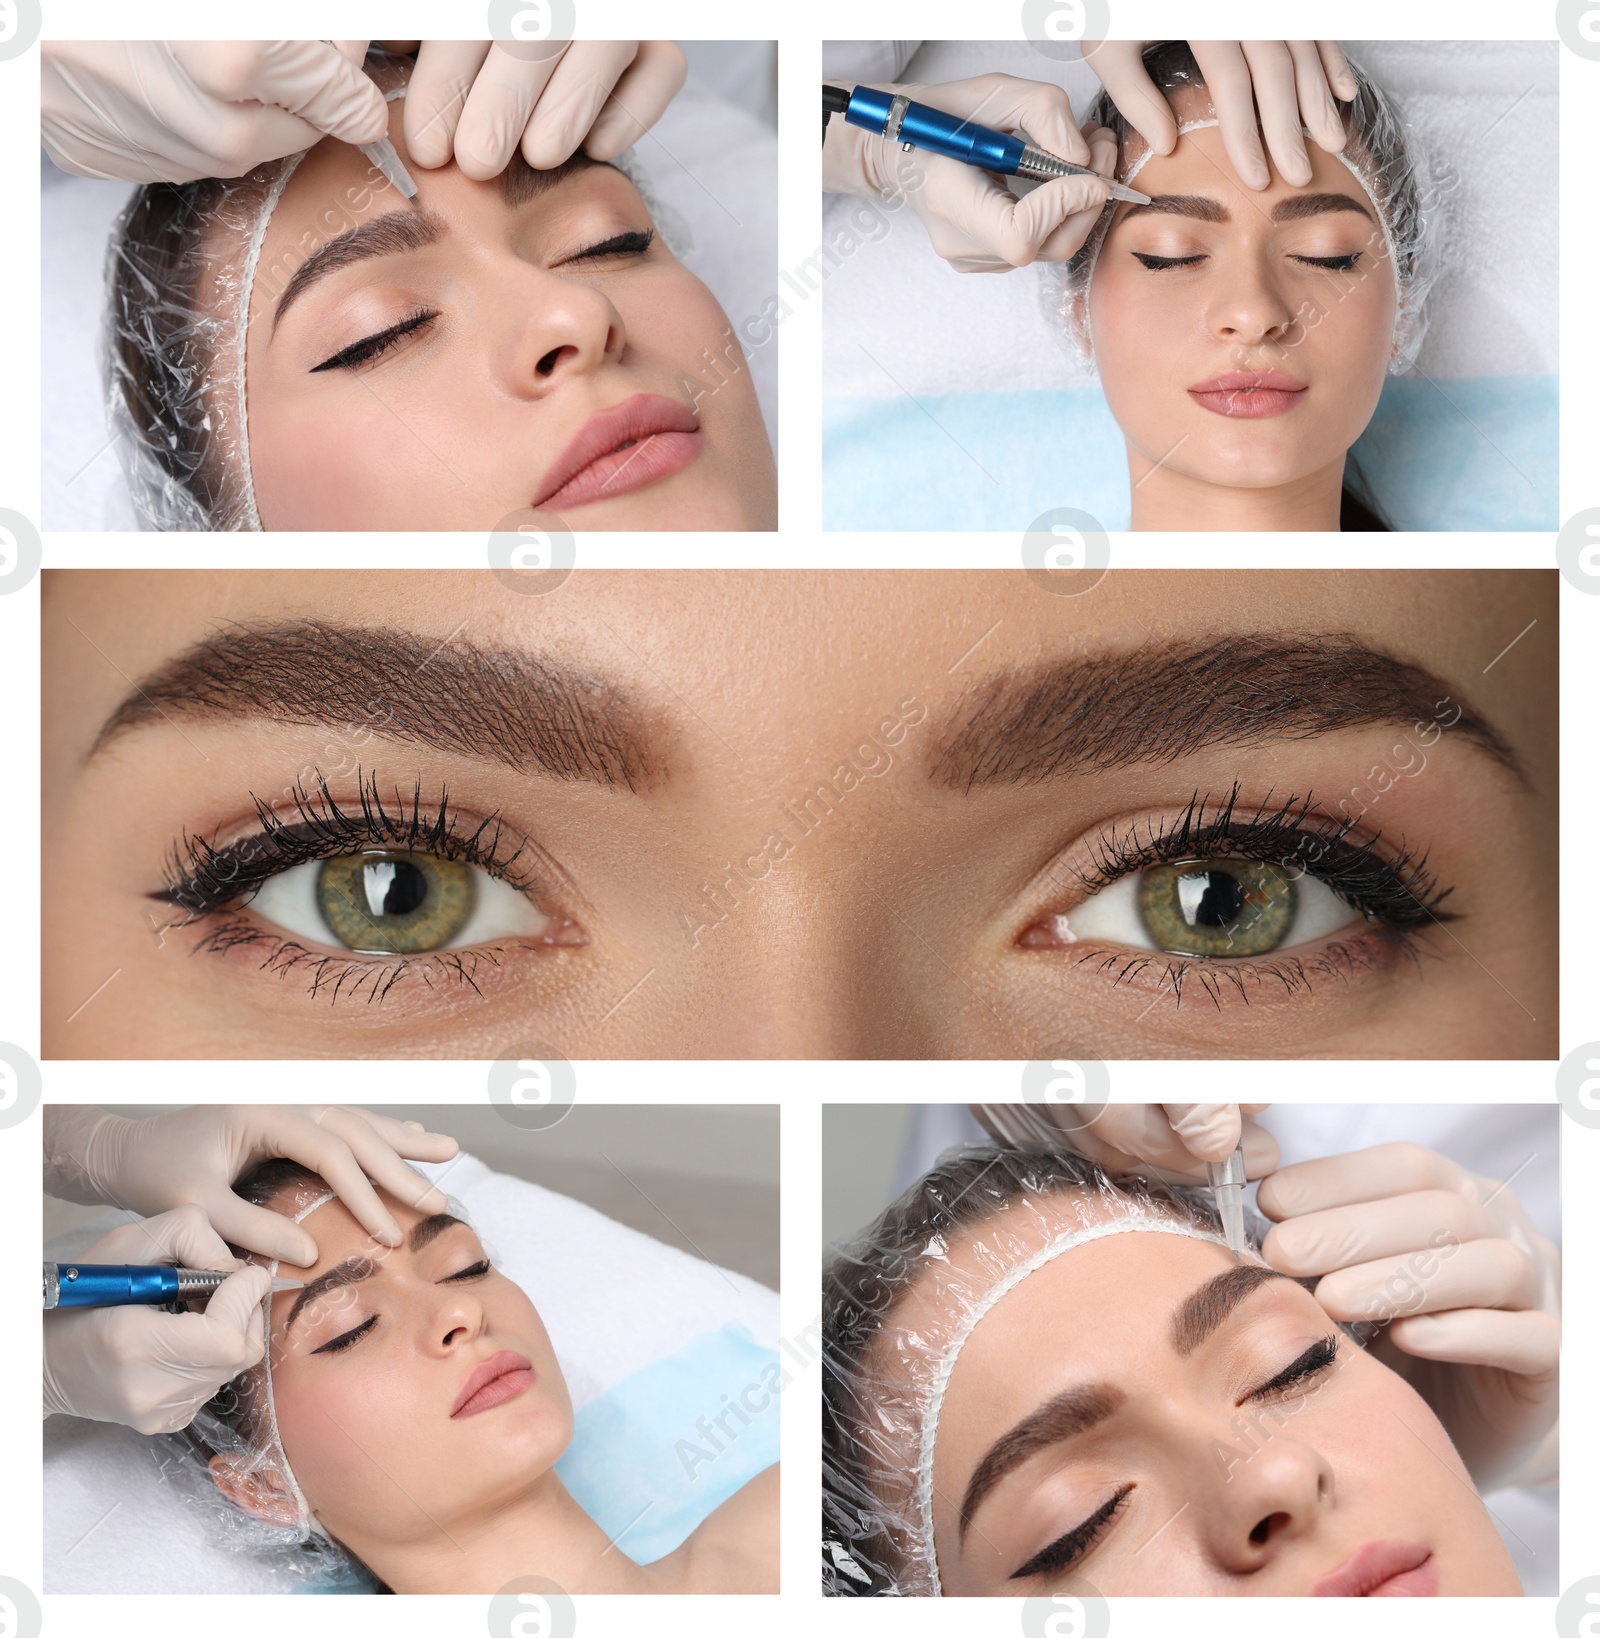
[
  {"x": 621, "y": 449},
  {"x": 1382, "y": 1569},
  {"x": 500, "y": 1377},
  {"x": 1248, "y": 394}
]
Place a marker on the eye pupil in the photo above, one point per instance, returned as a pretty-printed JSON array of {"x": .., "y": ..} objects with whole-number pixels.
[
  {"x": 1217, "y": 907},
  {"x": 395, "y": 903},
  {"x": 395, "y": 887},
  {"x": 1210, "y": 898}
]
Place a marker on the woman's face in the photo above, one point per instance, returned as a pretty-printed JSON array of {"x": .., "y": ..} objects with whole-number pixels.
[
  {"x": 750, "y": 814},
  {"x": 1242, "y": 338},
  {"x": 373, "y": 1365},
  {"x": 490, "y": 348},
  {"x": 1210, "y": 1419}
]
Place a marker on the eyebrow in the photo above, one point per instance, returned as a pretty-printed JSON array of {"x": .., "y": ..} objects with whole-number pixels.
[
  {"x": 411, "y": 228},
  {"x": 353, "y": 1270},
  {"x": 496, "y": 704},
  {"x": 1155, "y": 705},
  {"x": 1077, "y": 1409},
  {"x": 1203, "y": 208}
]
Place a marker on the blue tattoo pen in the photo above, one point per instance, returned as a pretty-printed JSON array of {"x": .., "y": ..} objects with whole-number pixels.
[
  {"x": 117, "y": 1285},
  {"x": 1226, "y": 1178},
  {"x": 897, "y": 118}
]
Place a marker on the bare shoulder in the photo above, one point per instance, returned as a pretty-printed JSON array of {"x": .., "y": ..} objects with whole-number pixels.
[{"x": 735, "y": 1549}]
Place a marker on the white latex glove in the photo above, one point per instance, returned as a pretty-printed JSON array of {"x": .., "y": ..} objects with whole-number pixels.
[
  {"x": 973, "y": 219},
  {"x": 1471, "y": 1290},
  {"x": 1288, "y": 83},
  {"x": 192, "y": 1157},
  {"x": 473, "y": 100},
  {"x": 1174, "y": 1140},
  {"x": 174, "y": 110},
  {"x": 143, "y": 1366}
]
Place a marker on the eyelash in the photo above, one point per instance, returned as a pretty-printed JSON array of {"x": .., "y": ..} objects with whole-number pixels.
[
  {"x": 372, "y": 347},
  {"x": 1068, "y": 1549},
  {"x": 1335, "y": 264},
  {"x": 206, "y": 881},
  {"x": 1397, "y": 893},
  {"x": 349, "y": 1338}
]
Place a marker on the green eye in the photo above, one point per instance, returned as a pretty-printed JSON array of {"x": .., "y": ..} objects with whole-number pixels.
[
  {"x": 1217, "y": 907},
  {"x": 395, "y": 903}
]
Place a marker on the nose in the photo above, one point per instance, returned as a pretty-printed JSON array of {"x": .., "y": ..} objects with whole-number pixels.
[
  {"x": 1251, "y": 310},
  {"x": 453, "y": 1318},
  {"x": 561, "y": 329},
  {"x": 1275, "y": 1489}
]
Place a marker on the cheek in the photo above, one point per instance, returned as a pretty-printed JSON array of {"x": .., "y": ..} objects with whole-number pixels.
[
  {"x": 335, "y": 1423},
  {"x": 325, "y": 470}
]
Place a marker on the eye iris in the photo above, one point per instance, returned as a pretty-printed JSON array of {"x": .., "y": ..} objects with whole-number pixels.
[
  {"x": 395, "y": 903},
  {"x": 1217, "y": 907}
]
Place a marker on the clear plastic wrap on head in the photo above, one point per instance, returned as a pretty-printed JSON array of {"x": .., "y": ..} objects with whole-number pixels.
[
  {"x": 962, "y": 1236},
  {"x": 181, "y": 270},
  {"x": 235, "y": 1435},
  {"x": 1382, "y": 151}
]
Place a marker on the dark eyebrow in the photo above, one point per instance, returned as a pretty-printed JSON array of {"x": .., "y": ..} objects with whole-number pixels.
[
  {"x": 1157, "y": 704},
  {"x": 1208, "y": 1305},
  {"x": 1073, "y": 1411},
  {"x": 1203, "y": 208},
  {"x": 353, "y": 1270},
  {"x": 1077, "y": 1409},
  {"x": 394, "y": 234},
  {"x": 500, "y": 704},
  {"x": 429, "y": 1229},
  {"x": 411, "y": 228},
  {"x": 1300, "y": 205},
  {"x": 350, "y": 1272}
]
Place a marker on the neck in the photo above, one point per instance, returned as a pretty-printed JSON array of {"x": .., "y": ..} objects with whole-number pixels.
[
  {"x": 540, "y": 1531},
  {"x": 1165, "y": 499}
]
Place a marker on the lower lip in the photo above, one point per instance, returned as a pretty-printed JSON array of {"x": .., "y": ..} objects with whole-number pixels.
[
  {"x": 623, "y": 471},
  {"x": 1420, "y": 1581},
  {"x": 1248, "y": 403},
  {"x": 497, "y": 1392}
]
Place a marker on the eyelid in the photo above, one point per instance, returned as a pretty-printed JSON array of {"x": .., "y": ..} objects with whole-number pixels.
[
  {"x": 368, "y": 349},
  {"x": 1057, "y": 1556}
]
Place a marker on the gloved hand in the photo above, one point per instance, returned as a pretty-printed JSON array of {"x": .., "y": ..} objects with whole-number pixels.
[
  {"x": 143, "y": 1366},
  {"x": 1172, "y": 1140},
  {"x": 480, "y": 103},
  {"x": 1291, "y": 83},
  {"x": 192, "y": 1157},
  {"x": 174, "y": 110},
  {"x": 973, "y": 219},
  {"x": 1471, "y": 1290}
]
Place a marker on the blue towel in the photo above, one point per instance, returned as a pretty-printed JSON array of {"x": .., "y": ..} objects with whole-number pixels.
[{"x": 1446, "y": 454}]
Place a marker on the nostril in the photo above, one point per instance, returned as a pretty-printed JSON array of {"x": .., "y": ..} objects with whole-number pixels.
[
  {"x": 547, "y": 364},
  {"x": 1265, "y": 1527}
]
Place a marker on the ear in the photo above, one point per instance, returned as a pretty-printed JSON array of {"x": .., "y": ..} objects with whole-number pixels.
[{"x": 258, "y": 1491}]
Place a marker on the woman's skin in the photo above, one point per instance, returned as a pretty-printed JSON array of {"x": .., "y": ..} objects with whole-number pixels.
[
  {"x": 431, "y": 1501},
  {"x": 833, "y": 814},
  {"x": 459, "y": 423},
  {"x": 1251, "y": 304},
  {"x": 1232, "y": 1494}
]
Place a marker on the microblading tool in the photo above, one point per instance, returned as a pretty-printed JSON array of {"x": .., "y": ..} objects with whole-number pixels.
[
  {"x": 897, "y": 118},
  {"x": 119, "y": 1285},
  {"x": 1226, "y": 1178}
]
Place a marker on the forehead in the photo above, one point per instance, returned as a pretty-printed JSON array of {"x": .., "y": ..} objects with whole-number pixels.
[{"x": 1199, "y": 164}]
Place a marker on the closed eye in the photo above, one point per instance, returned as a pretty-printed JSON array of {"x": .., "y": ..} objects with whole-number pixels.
[
  {"x": 1065, "y": 1551},
  {"x": 1316, "y": 1359},
  {"x": 477, "y": 1271},
  {"x": 374, "y": 346},
  {"x": 1337, "y": 264},
  {"x": 633, "y": 243},
  {"x": 1156, "y": 263},
  {"x": 347, "y": 1338}
]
